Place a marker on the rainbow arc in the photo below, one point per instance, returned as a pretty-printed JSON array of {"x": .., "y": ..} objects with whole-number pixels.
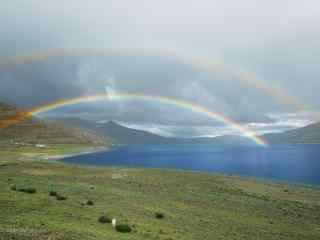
[{"x": 143, "y": 97}]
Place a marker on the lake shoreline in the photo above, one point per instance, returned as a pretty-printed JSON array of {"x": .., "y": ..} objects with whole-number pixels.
[
  {"x": 244, "y": 162},
  {"x": 131, "y": 195},
  {"x": 90, "y": 150},
  {"x": 263, "y": 180}
]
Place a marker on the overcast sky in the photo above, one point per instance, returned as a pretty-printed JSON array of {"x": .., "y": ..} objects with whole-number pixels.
[{"x": 277, "y": 41}]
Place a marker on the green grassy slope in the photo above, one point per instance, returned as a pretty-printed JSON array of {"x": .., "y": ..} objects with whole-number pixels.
[
  {"x": 36, "y": 131},
  {"x": 195, "y": 205},
  {"x": 308, "y": 134}
]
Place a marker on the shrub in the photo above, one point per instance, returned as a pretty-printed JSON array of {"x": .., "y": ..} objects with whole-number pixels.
[
  {"x": 61, "y": 198},
  {"x": 159, "y": 215},
  {"x": 30, "y": 190},
  {"x": 53, "y": 193},
  {"x": 104, "y": 219},
  {"x": 90, "y": 202},
  {"x": 124, "y": 228}
]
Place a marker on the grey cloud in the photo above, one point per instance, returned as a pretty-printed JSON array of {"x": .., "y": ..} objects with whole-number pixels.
[{"x": 277, "y": 40}]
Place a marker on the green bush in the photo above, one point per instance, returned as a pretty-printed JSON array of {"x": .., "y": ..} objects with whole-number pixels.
[
  {"x": 124, "y": 228},
  {"x": 30, "y": 190},
  {"x": 53, "y": 193},
  {"x": 61, "y": 198},
  {"x": 159, "y": 215},
  {"x": 90, "y": 202},
  {"x": 104, "y": 219}
]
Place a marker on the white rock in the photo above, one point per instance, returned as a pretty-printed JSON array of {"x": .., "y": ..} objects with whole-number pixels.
[{"x": 114, "y": 222}]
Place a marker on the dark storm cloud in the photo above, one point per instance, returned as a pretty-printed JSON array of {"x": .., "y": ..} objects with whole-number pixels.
[{"x": 62, "y": 78}]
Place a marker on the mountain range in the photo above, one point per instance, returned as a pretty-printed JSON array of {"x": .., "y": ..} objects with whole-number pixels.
[
  {"x": 79, "y": 131},
  {"x": 124, "y": 135}
]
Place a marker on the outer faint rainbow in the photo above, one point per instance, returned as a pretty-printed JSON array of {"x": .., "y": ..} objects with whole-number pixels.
[
  {"x": 248, "y": 78},
  {"x": 161, "y": 99}
]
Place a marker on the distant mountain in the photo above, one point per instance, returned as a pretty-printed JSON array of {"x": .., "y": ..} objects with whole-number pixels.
[
  {"x": 118, "y": 133},
  {"x": 309, "y": 134},
  {"x": 37, "y": 131},
  {"x": 76, "y": 130},
  {"x": 124, "y": 135}
]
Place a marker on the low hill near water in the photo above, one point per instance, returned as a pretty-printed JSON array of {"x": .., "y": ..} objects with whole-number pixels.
[
  {"x": 37, "y": 131},
  {"x": 309, "y": 134}
]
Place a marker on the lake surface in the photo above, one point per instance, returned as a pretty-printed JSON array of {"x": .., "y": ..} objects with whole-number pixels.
[{"x": 291, "y": 163}]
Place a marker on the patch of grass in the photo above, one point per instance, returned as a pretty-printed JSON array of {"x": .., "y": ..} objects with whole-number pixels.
[
  {"x": 123, "y": 228},
  {"x": 104, "y": 219}
]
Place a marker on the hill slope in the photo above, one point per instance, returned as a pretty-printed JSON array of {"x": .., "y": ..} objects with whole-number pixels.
[
  {"x": 37, "y": 131},
  {"x": 118, "y": 133},
  {"x": 124, "y": 135},
  {"x": 308, "y": 134}
]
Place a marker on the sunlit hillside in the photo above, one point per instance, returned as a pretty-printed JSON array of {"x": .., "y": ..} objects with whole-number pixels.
[{"x": 37, "y": 131}]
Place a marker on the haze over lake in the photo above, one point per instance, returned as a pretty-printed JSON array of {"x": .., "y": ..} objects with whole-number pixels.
[{"x": 292, "y": 163}]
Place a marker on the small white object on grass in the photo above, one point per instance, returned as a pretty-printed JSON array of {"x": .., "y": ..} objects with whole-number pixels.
[
  {"x": 114, "y": 222},
  {"x": 40, "y": 145}
]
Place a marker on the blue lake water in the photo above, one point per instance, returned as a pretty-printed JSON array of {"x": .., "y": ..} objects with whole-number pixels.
[{"x": 291, "y": 163}]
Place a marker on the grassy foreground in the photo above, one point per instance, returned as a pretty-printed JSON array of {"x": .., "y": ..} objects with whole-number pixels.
[{"x": 193, "y": 205}]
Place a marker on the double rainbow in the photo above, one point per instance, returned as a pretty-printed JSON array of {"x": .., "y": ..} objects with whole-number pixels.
[{"x": 248, "y": 78}]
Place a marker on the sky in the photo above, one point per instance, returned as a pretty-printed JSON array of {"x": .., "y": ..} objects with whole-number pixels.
[{"x": 206, "y": 51}]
